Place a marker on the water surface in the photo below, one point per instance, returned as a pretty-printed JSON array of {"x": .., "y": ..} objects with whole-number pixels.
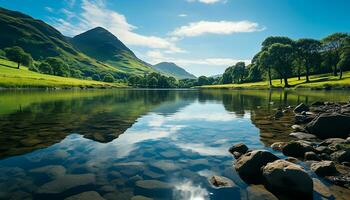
[{"x": 109, "y": 140}]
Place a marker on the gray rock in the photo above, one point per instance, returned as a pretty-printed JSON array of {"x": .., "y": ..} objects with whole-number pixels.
[
  {"x": 298, "y": 128},
  {"x": 170, "y": 154},
  {"x": 240, "y": 148},
  {"x": 323, "y": 149},
  {"x": 341, "y": 156},
  {"x": 258, "y": 192},
  {"x": 221, "y": 182},
  {"x": 311, "y": 156},
  {"x": 300, "y": 108},
  {"x": 52, "y": 171},
  {"x": 332, "y": 141},
  {"x": 248, "y": 165},
  {"x": 278, "y": 146},
  {"x": 302, "y": 136},
  {"x": 330, "y": 125},
  {"x": 324, "y": 168},
  {"x": 91, "y": 195},
  {"x": 165, "y": 165},
  {"x": 66, "y": 182},
  {"x": 284, "y": 176},
  {"x": 296, "y": 149}
]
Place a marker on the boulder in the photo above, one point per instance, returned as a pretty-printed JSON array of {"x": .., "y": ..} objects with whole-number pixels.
[
  {"x": 323, "y": 149},
  {"x": 311, "y": 156},
  {"x": 91, "y": 195},
  {"x": 302, "y": 136},
  {"x": 278, "y": 146},
  {"x": 301, "y": 107},
  {"x": 258, "y": 192},
  {"x": 221, "y": 182},
  {"x": 324, "y": 168},
  {"x": 332, "y": 141},
  {"x": 298, "y": 128},
  {"x": 341, "y": 156},
  {"x": 341, "y": 180},
  {"x": 330, "y": 125},
  {"x": 240, "y": 148},
  {"x": 284, "y": 176},
  {"x": 249, "y": 165},
  {"x": 278, "y": 114},
  {"x": 153, "y": 188},
  {"x": 296, "y": 149}
]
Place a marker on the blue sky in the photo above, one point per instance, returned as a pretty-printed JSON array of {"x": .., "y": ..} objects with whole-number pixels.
[{"x": 202, "y": 36}]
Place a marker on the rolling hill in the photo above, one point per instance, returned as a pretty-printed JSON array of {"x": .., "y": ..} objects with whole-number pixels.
[{"x": 172, "y": 69}]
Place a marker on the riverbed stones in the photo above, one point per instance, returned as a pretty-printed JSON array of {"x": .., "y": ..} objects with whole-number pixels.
[
  {"x": 249, "y": 165},
  {"x": 165, "y": 165},
  {"x": 278, "y": 146},
  {"x": 140, "y": 197},
  {"x": 296, "y": 149},
  {"x": 311, "y": 156},
  {"x": 91, "y": 195},
  {"x": 284, "y": 176},
  {"x": 321, "y": 188},
  {"x": 240, "y": 148},
  {"x": 153, "y": 188},
  {"x": 302, "y": 135},
  {"x": 301, "y": 107},
  {"x": 220, "y": 182},
  {"x": 52, "y": 171},
  {"x": 330, "y": 125},
  {"x": 332, "y": 141},
  {"x": 258, "y": 192},
  {"x": 324, "y": 168},
  {"x": 341, "y": 156},
  {"x": 66, "y": 182},
  {"x": 298, "y": 128}
]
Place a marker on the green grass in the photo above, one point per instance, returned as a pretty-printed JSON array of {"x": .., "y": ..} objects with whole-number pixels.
[
  {"x": 323, "y": 81},
  {"x": 11, "y": 77}
]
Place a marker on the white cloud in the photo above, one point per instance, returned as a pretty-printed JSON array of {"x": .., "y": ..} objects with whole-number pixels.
[
  {"x": 208, "y": 1},
  {"x": 49, "y": 9},
  {"x": 216, "y": 27},
  {"x": 94, "y": 13},
  {"x": 182, "y": 15}
]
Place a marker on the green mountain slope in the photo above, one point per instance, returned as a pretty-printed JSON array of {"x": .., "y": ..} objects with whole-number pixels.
[
  {"x": 172, "y": 69},
  {"x": 103, "y": 46}
]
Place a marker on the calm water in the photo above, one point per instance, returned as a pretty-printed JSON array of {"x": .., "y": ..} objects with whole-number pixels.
[{"x": 57, "y": 144}]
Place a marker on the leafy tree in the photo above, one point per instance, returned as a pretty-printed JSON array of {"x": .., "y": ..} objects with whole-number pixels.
[
  {"x": 308, "y": 51},
  {"x": 59, "y": 68},
  {"x": 344, "y": 61},
  {"x": 76, "y": 73},
  {"x": 45, "y": 68},
  {"x": 276, "y": 39},
  {"x": 202, "y": 80},
  {"x": 17, "y": 54},
  {"x": 281, "y": 56},
  {"x": 96, "y": 77},
  {"x": 333, "y": 44},
  {"x": 108, "y": 78},
  {"x": 227, "y": 76},
  {"x": 2, "y": 54},
  {"x": 152, "y": 82},
  {"x": 265, "y": 62}
]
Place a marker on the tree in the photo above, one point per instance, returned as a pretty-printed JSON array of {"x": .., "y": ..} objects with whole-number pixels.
[
  {"x": 239, "y": 72},
  {"x": 17, "y": 54},
  {"x": 2, "y": 54},
  {"x": 344, "y": 61},
  {"x": 333, "y": 44},
  {"x": 96, "y": 77},
  {"x": 59, "y": 68},
  {"x": 76, "y": 73},
  {"x": 308, "y": 51},
  {"x": 109, "y": 78},
  {"x": 276, "y": 39},
  {"x": 202, "y": 80},
  {"x": 282, "y": 56},
  {"x": 227, "y": 76},
  {"x": 152, "y": 82},
  {"x": 265, "y": 62},
  {"x": 45, "y": 68}
]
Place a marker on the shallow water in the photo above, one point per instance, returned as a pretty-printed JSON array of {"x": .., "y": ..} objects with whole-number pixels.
[{"x": 57, "y": 144}]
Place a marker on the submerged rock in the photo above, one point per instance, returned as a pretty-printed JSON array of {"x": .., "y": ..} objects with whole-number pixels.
[
  {"x": 52, "y": 171},
  {"x": 91, "y": 195},
  {"x": 324, "y": 168},
  {"x": 66, "y": 182},
  {"x": 249, "y": 165},
  {"x": 220, "y": 182},
  {"x": 258, "y": 192},
  {"x": 139, "y": 197},
  {"x": 284, "y": 176},
  {"x": 300, "y": 108},
  {"x": 153, "y": 188},
  {"x": 330, "y": 125}
]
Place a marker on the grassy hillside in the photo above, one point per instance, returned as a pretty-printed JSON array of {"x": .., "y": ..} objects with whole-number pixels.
[
  {"x": 11, "y": 77},
  {"x": 172, "y": 69},
  {"x": 323, "y": 81}
]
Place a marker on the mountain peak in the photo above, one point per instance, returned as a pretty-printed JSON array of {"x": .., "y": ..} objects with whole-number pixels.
[{"x": 173, "y": 70}]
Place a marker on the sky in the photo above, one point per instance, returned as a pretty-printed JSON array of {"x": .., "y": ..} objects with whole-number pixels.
[{"x": 202, "y": 36}]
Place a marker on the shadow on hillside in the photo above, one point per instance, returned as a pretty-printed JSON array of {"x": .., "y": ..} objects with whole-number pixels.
[
  {"x": 8, "y": 66},
  {"x": 323, "y": 79}
]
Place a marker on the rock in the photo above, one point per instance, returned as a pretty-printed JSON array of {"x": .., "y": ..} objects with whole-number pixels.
[
  {"x": 153, "y": 188},
  {"x": 278, "y": 114},
  {"x": 152, "y": 175},
  {"x": 341, "y": 180},
  {"x": 301, "y": 107},
  {"x": 330, "y": 125},
  {"x": 249, "y": 165},
  {"x": 284, "y": 176},
  {"x": 278, "y": 146},
  {"x": 302, "y": 136},
  {"x": 292, "y": 160},
  {"x": 296, "y": 149},
  {"x": 325, "y": 156},
  {"x": 237, "y": 154},
  {"x": 91, "y": 195},
  {"x": 165, "y": 165},
  {"x": 298, "y": 128},
  {"x": 139, "y": 197},
  {"x": 332, "y": 141},
  {"x": 320, "y": 188},
  {"x": 324, "y": 168},
  {"x": 240, "y": 148},
  {"x": 347, "y": 141},
  {"x": 311, "y": 156},
  {"x": 170, "y": 154},
  {"x": 66, "y": 182},
  {"x": 220, "y": 182},
  {"x": 317, "y": 103},
  {"x": 258, "y": 192},
  {"x": 323, "y": 149},
  {"x": 341, "y": 156},
  {"x": 52, "y": 171}
]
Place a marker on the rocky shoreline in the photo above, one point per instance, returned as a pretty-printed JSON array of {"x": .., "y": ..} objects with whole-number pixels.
[{"x": 319, "y": 147}]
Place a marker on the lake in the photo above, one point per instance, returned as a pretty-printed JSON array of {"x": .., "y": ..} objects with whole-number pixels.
[{"x": 162, "y": 144}]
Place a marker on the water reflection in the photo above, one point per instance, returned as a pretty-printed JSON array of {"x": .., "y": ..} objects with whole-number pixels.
[{"x": 111, "y": 141}]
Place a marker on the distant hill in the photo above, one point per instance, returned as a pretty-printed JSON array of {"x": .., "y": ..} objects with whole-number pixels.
[
  {"x": 216, "y": 76},
  {"x": 172, "y": 69},
  {"x": 100, "y": 44}
]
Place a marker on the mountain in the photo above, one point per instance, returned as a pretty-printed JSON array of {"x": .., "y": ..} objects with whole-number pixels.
[
  {"x": 100, "y": 44},
  {"x": 172, "y": 69},
  {"x": 42, "y": 40}
]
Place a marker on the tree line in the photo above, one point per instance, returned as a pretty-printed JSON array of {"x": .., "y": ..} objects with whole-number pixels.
[{"x": 283, "y": 58}]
